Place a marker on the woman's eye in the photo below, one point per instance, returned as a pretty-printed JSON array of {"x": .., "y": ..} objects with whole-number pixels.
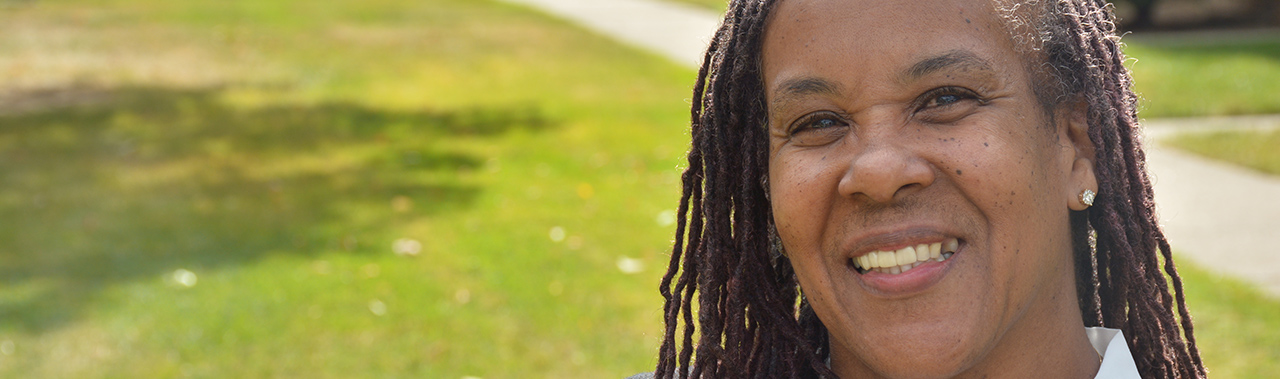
[
  {"x": 946, "y": 96},
  {"x": 947, "y": 104},
  {"x": 818, "y": 129},
  {"x": 817, "y": 121}
]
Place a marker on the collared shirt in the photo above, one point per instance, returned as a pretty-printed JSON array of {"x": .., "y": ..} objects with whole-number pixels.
[{"x": 1117, "y": 362}]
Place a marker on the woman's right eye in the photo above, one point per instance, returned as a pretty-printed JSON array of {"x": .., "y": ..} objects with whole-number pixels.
[
  {"x": 818, "y": 129},
  {"x": 817, "y": 121}
]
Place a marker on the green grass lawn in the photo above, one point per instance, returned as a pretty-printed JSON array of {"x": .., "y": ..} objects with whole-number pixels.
[
  {"x": 218, "y": 189},
  {"x": 280, "y": 172},
  {"x": 717, "y": 6},
  {"x": 1253, "y": 149},
  {"x": 1237, "y": 327},
  {"x": 1212, "y": 75},
  {"x": 1205, "y": 76}
]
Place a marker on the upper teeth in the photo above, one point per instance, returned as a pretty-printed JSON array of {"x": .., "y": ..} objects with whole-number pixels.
[{"x": 901, "y": 260}]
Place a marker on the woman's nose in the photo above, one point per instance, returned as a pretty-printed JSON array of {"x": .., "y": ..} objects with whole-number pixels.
[{"x": 884, "y": 171}]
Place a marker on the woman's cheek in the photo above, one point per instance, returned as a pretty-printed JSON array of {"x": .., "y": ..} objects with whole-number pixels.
[
  {"x": 804, "y": 178},
  {"x": 800, "y": 188}
]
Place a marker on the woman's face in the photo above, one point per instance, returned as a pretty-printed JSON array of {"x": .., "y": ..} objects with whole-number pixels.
[{"x": 909, "y": 129}]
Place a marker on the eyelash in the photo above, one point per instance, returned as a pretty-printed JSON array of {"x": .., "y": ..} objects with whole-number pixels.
[
  {"x": 803, "y": 123},
  {"x": 961, "y": 94}
]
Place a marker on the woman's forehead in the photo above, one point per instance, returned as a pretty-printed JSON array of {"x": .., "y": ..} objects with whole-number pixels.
[{"x": 806, "y": 38}]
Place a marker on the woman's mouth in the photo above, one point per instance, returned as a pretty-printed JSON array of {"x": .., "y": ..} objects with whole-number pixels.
[{"x": 902, "y": 260}]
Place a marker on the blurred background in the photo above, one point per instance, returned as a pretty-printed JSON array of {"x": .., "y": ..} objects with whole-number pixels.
[{"x": 430, "y": 188}]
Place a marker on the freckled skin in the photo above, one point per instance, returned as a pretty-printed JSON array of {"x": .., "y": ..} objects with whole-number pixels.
[{"x": 888, "y": 161}]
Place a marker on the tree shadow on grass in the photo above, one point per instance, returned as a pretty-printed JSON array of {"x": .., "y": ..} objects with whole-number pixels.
[{"x": 154, "y": 179}]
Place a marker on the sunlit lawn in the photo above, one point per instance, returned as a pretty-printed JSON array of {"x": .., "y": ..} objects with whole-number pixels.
[
  {"x": 1236, "y": 325},
  {"x": 711, "y": 5},
  {"x": 352, "y": 189},
  {"x": 1208, "y": 74},
  {"x": 1214, "y": 75},
  {"x": 283, "y": 183}
]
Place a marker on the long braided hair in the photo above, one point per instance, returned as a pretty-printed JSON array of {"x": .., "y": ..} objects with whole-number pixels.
[{"x": 752, "y": 318}]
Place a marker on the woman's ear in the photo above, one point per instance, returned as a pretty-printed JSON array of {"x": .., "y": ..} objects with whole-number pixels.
[{"x": 1076, "y": 117}]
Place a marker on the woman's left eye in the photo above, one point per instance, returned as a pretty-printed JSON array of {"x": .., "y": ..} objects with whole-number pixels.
[
  {"x": 947, "y": 104},
  {"x": 945, "y": 96}
]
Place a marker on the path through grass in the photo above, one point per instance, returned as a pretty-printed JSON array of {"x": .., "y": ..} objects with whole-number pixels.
[{"x": 1253, "y": 149}]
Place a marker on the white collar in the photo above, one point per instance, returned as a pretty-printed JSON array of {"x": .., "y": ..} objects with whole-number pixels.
[{"x": 1117, "y": 362}]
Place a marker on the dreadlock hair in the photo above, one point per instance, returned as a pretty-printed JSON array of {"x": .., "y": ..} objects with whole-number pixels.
[{"x": 753, "y": 320}]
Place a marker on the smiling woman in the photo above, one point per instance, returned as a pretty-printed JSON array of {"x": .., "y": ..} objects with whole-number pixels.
[{"x": 907, "y": 189}]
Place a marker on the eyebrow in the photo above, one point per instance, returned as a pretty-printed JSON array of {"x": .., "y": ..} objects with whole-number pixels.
[
  {"x": 796, "y": 88},
  {"x": 799, "y": 87},
  {"x": 959, "y": 59}
]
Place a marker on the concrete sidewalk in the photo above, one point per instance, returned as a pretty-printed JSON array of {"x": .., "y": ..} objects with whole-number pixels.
[
  {"x": 677, "y": 31},
  {"x": 1218, "y": 215}
]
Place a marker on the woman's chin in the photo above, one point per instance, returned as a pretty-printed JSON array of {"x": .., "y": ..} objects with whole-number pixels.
[{"x": 924, "y": 351}]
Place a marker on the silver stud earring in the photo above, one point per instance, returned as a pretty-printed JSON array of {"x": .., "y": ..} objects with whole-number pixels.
[{"x": 1086, "y": 197}]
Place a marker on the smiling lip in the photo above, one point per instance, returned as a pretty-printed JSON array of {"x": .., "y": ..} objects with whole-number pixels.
[{"x": 908, "y": 273}]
